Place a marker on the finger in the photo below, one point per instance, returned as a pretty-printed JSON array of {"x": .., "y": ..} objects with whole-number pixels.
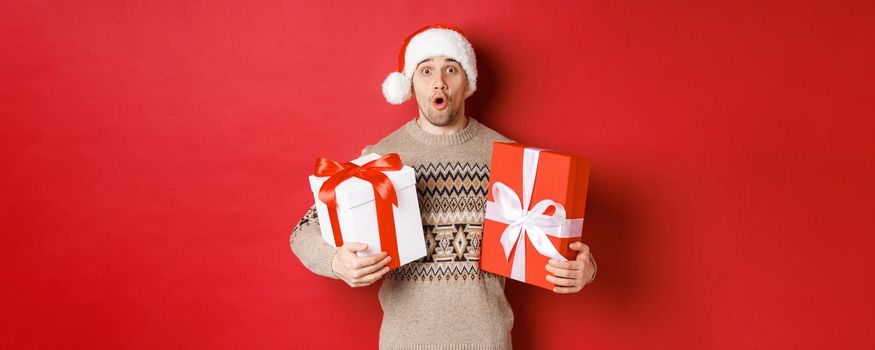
[
  {"x": 371, "y": 268},
  {"x": 583, "y": 255},
  {"x": 564, "y": 273},
  {"x": 353, "y": 284},
  {"x": 365, "y": 261},
  {"x": 579, "y": 246},
  {"x": 565, "y": 290},
  {"x": 568, "y": 265},
  {"x": 371, "y": 278},
  {"x": 355, "y": 246},
  {"x": 562, "y": 282}
]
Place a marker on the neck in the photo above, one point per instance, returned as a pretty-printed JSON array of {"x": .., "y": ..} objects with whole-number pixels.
[{"x": 456, "y": 126}]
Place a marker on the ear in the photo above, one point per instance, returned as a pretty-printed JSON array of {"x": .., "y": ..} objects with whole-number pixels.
[{"x": 467, "y": 87}]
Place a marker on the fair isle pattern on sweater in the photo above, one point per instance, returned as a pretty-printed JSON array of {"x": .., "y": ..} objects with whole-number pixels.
[{"x": 452, "y": 198}]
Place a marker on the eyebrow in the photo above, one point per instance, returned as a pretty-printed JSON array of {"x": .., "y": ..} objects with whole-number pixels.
[{"x": 432, "y": 59}]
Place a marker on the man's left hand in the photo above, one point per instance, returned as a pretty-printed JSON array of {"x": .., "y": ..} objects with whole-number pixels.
[{"x": 571, "y": 276}]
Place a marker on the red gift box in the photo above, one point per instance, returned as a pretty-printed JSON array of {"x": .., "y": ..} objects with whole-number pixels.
[{"x": 534, "y": 210}]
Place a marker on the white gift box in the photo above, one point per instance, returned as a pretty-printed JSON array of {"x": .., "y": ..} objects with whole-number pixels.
[{"x": 357, "y": 215}]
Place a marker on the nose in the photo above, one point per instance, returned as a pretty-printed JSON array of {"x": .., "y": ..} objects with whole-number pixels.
[{"x": 439, "y": 83}]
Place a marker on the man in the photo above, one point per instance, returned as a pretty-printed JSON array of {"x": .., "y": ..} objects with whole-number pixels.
[{"x": 443, "y": 300}]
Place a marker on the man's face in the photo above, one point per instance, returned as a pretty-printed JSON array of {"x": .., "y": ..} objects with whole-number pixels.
[{"x": 439, "y": 85}]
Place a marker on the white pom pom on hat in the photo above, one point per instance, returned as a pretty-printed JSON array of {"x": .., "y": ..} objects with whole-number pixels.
[
  {"x": 396, "y": 88},
  {"x": 439, "y": 39}
]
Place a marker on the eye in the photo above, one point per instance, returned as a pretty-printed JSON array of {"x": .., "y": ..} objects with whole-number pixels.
[
  {"x": 451, "y": 69},
  {"x": 426, "y": 71}
]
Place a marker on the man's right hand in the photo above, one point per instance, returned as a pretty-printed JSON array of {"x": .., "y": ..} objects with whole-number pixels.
[{"x": 359, "y": 271}]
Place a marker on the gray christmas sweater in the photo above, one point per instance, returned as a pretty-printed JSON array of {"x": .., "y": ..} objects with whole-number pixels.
[{"x": 443, "y": 300}]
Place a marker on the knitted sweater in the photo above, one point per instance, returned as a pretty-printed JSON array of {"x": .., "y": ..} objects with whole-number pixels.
[{"x": 443, "y": 300}]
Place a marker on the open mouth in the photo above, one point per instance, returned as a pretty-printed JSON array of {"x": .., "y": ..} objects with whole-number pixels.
[{"x": 439, "y": 102}]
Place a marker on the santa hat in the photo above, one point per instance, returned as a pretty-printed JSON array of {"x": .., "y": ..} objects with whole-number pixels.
[{"x": 440, "y": 39}]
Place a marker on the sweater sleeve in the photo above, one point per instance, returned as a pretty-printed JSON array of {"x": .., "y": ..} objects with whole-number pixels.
[{"x": 307, "y": 244}]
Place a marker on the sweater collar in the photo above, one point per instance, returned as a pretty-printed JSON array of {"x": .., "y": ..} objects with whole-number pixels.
[{"x": 458, "y": 138}]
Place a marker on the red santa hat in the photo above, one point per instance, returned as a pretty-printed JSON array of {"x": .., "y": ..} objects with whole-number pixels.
[{"x": 439, "y": 39}]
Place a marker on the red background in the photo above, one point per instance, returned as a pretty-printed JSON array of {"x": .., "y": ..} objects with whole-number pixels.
[{"x": 155, "y": 156}]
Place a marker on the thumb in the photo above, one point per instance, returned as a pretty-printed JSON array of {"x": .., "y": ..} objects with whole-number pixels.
[
  {"x": 578, "y": 246},
  {"x": 355, "y": 246}
]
